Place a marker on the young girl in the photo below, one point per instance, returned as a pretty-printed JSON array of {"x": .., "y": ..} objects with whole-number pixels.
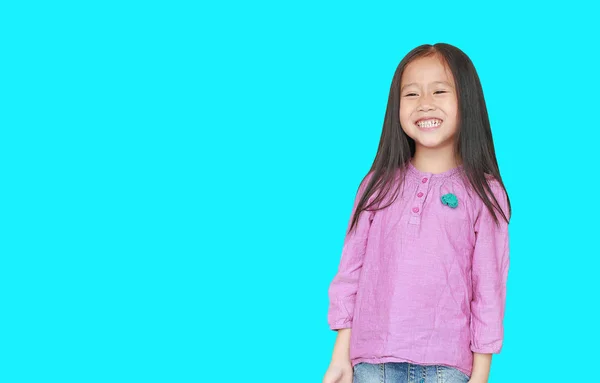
[{"x": 419, "y": 295}]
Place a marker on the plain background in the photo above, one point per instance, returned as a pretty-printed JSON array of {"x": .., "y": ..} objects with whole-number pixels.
[{"x": 177, "y": 178}]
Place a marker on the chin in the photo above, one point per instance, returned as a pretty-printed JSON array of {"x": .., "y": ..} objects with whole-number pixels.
[
  {"x": 432, "y": 143},
  {"x": 429, "y": 146}
]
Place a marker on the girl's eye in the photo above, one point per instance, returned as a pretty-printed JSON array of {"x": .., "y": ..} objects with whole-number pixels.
[{"x": 414, "y": 94}]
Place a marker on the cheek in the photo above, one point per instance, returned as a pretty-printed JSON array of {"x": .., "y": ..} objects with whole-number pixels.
[
  {"x": 451, "y": 112},
  {"x": 451, "y": 108},
  {"x": 404, "y": 115}
]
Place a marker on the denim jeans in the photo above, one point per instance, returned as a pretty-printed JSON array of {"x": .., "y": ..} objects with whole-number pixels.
[{"x": 392, "y": 372}]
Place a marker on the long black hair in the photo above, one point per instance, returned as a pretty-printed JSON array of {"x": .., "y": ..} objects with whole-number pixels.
[{"x": 474, "y": 143}]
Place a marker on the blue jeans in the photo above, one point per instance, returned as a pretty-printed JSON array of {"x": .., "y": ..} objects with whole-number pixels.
[{"x": 391, "y": 372}]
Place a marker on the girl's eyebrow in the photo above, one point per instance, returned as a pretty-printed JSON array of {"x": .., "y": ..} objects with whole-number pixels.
[{"x": 434, "y": 82}]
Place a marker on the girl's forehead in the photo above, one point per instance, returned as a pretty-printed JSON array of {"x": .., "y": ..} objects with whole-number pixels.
[{"x": 426, "y": 70}]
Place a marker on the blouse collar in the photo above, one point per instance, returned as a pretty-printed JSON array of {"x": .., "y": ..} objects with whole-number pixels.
[{"x": 417, "y": 174}]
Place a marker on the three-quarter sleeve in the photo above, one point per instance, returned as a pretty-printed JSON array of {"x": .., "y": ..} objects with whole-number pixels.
[
  {"x": 490, "y": 265},
  {"x": 342, "y": 290}
]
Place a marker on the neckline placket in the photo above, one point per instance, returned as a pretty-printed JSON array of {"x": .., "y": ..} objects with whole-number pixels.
[
  {"x": 419, "y": 198},
  {"x": 424, "y": 180}
]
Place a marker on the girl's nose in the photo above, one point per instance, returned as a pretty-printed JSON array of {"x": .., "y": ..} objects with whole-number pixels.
[
  {"x": 425, "y": 103},
  {"x": 426, "y": 106}
]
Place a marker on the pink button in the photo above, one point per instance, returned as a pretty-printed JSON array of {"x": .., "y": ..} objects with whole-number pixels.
[
  {"x": 424, "y": 180},
  {"x": 415, "y": 209},
  {"x": 420, "y": 195}
]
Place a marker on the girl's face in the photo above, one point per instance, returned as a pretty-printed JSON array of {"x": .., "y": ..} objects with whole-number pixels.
[{"x": 428, "y": 103}]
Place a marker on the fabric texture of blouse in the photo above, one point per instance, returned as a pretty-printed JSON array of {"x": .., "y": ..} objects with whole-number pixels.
[{"x": 421, "y": 281}]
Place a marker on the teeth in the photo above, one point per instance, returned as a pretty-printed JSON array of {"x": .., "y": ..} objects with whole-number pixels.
[{"x": 429, "y": 123}]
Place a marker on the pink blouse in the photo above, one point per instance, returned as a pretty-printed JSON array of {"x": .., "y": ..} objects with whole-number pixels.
[{"x": 422, "y": 281}]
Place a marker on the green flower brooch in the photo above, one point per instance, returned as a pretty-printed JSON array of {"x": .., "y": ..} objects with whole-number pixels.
[{"x": 450, "y": 200}]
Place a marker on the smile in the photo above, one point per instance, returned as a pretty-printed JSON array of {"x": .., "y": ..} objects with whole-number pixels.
[{"x": 429, "y": 123}]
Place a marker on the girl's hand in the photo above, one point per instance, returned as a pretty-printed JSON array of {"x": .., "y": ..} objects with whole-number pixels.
[{"x": 339, "y": 372}]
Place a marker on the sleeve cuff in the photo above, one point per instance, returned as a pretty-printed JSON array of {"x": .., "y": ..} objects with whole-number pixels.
[
  {"x": 336, "y": 327},
  {"x": 493, "y": 348}
]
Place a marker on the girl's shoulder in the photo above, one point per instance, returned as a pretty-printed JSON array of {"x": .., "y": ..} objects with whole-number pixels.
[
  {"x": 498, "y": 193},
  {"x": 494, "y": 184},
  {"x": 473, "y": 200}
]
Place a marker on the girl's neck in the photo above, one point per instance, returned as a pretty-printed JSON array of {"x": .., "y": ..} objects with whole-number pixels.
[{"x": 434, "y": 160}]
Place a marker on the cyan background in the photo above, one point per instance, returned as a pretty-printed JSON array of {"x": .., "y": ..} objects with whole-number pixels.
[{"x": 177, "y": 178}]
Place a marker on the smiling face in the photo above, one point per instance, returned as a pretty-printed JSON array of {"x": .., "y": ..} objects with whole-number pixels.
[{"x": 429, "y": 104}]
